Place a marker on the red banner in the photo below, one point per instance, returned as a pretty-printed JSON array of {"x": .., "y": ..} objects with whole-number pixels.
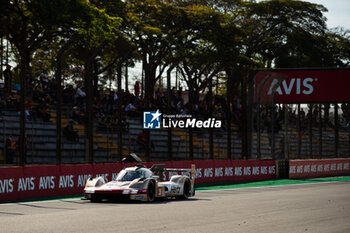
[
  {"x": 303, "y": 86},
  {"x": 18, "y": 183},
  {"x": 318, "y": 168}
]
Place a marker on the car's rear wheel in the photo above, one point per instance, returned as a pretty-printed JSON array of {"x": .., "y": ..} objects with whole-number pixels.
[{"x": 151, "y": 192}]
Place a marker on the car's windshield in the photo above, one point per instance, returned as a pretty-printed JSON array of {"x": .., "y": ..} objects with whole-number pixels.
[{"x": 125, "y": 175}]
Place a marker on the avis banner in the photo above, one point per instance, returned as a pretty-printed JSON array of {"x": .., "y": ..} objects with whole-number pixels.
[
  {"x": 18, "y": 183},
  {"x": 302, "y": 86},
  {"x": 318, "y": 168}
]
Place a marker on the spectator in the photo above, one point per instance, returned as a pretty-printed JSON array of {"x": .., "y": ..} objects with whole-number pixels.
[
  {"x": 142, "y": 142},
  {"x": 38, "y": 93},
  {"x": 137, "y": 88},
  {"x": 42, "y": 112},
  {"x": 8, "y": 78},
  {"x": 77, "y": 115},
  {"x": 79, "y": 95},
  {"x": 10, "y": 150},
  {"x": 68, "y": 94},
  {"x": 131, "y": 110},
  {"x": 30, "y": 114},
  {"x": 69, "y": 132},
  {"x": 110, "y": 102},
  {"x": 44, "y": 79}
]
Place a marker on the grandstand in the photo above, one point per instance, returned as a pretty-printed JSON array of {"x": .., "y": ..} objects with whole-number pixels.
[{"x": 41, "y": 145}]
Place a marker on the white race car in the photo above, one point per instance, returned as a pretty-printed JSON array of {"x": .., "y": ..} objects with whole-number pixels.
[{"x": 141, "y": 183}]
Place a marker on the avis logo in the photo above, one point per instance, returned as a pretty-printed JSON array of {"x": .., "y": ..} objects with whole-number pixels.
[
  {"x": 297, "y": 84},
  {"x": 151, "y": 120}
]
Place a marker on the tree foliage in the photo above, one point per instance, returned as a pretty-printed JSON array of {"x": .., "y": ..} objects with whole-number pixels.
[{"x": 203, "y": 38}]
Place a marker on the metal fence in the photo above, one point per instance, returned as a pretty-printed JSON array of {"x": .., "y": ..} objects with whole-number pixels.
[{"x": 257, "y": 131}]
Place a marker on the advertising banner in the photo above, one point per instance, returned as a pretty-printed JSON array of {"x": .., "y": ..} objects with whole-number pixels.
[
  {"x": 318, "y": 168},
  {"x": 303, "y": 86},
  {"x": 18, "y": 183}
]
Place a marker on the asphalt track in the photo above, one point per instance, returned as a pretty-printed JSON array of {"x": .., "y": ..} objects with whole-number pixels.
[{"x": 309, "y": 207}]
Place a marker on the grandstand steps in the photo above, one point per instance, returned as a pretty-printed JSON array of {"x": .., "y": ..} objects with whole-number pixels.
[{"x": 102, "y": 141}]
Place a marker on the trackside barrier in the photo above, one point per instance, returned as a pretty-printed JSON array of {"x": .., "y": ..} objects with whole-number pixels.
[
  {"x": 318, "y": 168},
  {"x": 19, "y": 183}
]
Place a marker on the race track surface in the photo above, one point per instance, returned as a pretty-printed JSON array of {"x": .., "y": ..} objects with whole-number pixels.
[{"x": 320, "y": 207}]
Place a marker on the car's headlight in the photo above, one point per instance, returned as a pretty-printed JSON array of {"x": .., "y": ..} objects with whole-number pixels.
[
  {"x": 126, "y": 191},
  {"x": 89, "y": 191},
  {"x": 134, "y": 191}
]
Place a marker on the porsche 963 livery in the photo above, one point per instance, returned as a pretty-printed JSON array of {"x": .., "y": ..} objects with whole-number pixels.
[{"x": 141, "y": 183}]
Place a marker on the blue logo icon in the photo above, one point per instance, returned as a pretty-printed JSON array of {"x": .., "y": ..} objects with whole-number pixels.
[{"x": 151, "y": 120}]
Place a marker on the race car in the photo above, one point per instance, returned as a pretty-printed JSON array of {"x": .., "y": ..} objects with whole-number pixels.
[{"x": 141, "y": 183}]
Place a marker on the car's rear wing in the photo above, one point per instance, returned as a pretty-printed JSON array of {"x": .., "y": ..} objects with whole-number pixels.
[{"x": 159, "y": 168}]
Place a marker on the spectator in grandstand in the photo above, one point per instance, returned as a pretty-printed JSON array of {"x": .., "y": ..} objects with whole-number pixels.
[
  {"x": 42, "y": 111},
  {"x": 44, "y": 79},
  {"x": 68, "y": 94},
  {"x": 159, "y": 101},
  {"x": 131, "y": 110},
  {"x": 30, "y": 114},
  {"x": 109, "y": 101},
  {"x": 11, "y": 101},
  {"x": 137, "y": 89},
  {"x": 8, "y": 78},
  {"x": 142, "y": 142},
  {"x": 52, "y": 90},
  {"x": 70, "y": 133},
  {"x": 98, "y": 108},
  {"x": 303, "y": 123},
  {"x": 38, "y": 92},
  {"x": 79, "y": 95},
  {"x": 10, "y": 150}
]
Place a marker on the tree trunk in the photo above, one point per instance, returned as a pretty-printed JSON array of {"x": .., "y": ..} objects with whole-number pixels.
[
  {"x": 89, "y": 111},
  {"x": 22, "y": 137},
  {"x": 95, "y": 77}
]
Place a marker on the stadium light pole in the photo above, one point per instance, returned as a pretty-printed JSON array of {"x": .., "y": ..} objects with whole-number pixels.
[
  {"x": 59, "y": 99},
  {"x": 170, "y": 145},
  {"x": 211, "y": 141},
  {"x": 229, "y": 115},
  {"x": 320, "y": 129},
  {"x": 299, "y": 131},
  {"x": 22, "y": 140},
  {"x": 1, "y": 57},
  {"x": 274, "y": 88},
  {"x": 286, "y": 155},
  {"x": 120, "y": 129},
  {"x": 258, "y": 113},
  {"x": 89, "y": 111},
  {"x": 310, "y": 130},
  {"x": 190, "y": 131},
  {"x": 336, "y": 130},
  {"x": 244, "y": 129}
]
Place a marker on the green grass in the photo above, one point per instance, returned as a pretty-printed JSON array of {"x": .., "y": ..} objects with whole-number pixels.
[{"x": 249, "y": 184}]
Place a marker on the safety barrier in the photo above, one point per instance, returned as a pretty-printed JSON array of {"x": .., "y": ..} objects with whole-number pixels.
[
  {"x": 28, "y": 182},
  {"x": 318, "y": 168}
]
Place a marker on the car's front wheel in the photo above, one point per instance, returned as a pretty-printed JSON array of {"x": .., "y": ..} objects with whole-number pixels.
[
  {"x": 187, "y": 190},
  {"x": 95, "y": 198}
]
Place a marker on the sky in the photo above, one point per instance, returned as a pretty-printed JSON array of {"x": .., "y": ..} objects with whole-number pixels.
[
  {"x": 338, "y": 15},
  {"x": 338, "y": 12}
]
